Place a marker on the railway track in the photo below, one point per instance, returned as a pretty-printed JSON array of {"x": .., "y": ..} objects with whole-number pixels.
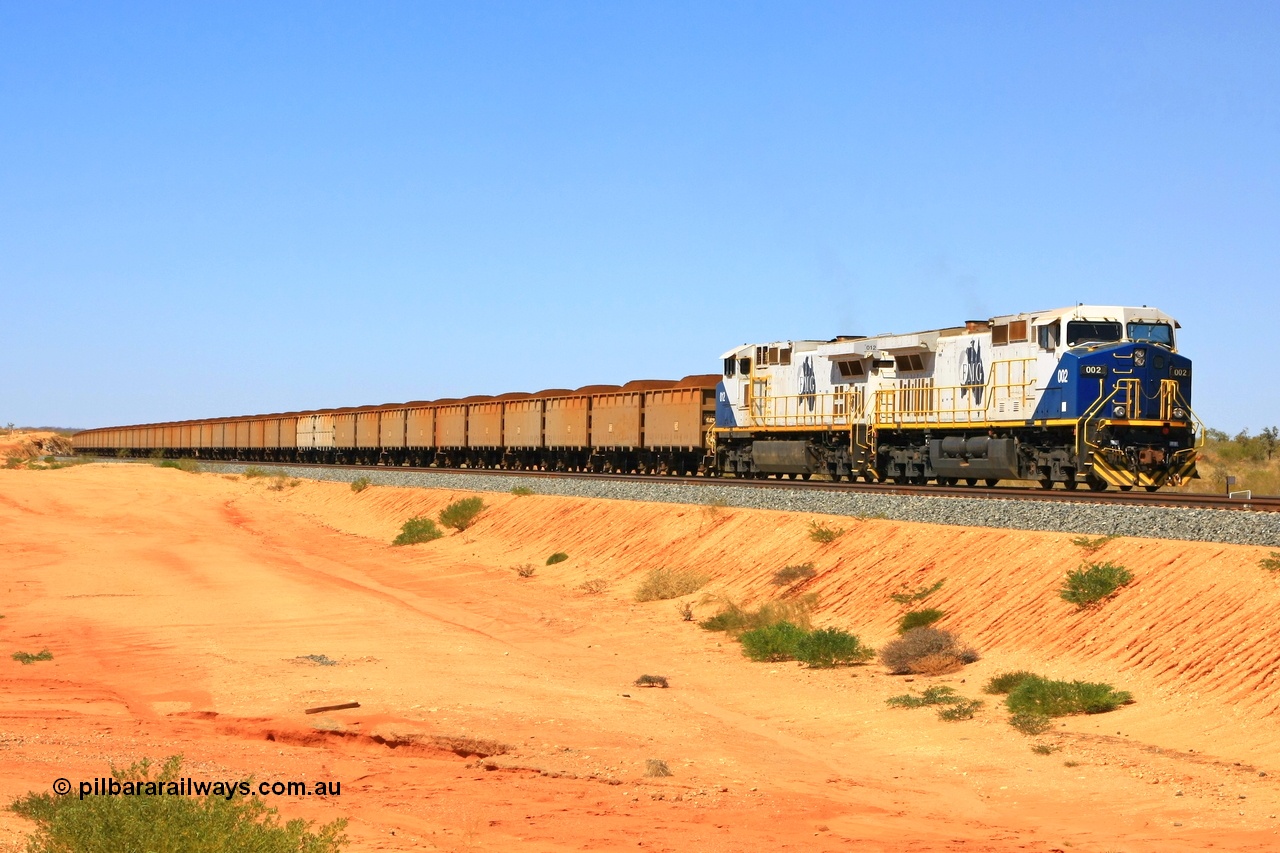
[{"x": 1014, "y": 493}]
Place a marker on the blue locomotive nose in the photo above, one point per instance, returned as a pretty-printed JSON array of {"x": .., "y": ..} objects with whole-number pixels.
[{"x": 1123, "y": 381}]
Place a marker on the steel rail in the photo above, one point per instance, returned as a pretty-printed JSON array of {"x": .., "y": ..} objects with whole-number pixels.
[{"x": 1017, "y": 493}]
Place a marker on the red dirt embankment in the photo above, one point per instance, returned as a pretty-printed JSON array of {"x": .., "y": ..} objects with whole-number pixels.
[{"x": 179, "y": 610}]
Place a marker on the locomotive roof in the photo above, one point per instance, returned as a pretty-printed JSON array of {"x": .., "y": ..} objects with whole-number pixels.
[{"x": 888, "y": 340}]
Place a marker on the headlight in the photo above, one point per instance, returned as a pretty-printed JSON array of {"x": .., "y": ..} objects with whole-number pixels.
[
  {"x": 1117, "y": 411},
  {"x": 1180, "y": 413}
]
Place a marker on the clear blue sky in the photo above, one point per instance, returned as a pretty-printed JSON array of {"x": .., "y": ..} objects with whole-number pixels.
[{"x": 219, "y": 209}]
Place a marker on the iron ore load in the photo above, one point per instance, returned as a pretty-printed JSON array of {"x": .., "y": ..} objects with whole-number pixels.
[{"x": 1090, "y": 394}]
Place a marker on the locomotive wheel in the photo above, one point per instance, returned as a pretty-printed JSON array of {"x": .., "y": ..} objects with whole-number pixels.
[
  {"x": 1153, "y": 488},
  {"x": 992, "y": 481},
  {"x": 1097, "y": 484},
  {"x": 1126, "y": 488},
  {"x": 971, "y": 481},
  {"x": 1070, "y": 483},
  {"x": 1046, "y": 484}
]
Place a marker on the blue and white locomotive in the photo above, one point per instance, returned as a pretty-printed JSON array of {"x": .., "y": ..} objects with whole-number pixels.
[{"x": 1090, "y": 394}]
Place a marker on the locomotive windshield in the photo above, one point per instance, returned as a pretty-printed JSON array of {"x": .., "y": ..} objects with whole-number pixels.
[
  {"x": 1151, "y": 333},
  {"x": 1089, "y": 332}
]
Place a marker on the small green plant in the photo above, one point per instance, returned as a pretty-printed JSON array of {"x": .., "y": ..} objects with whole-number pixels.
[
  {"x": 1045, "y": 748},
  {"x": 772, "y": 643},
  {"x": 26, "y": 658},
  {"x": 254, "y": 471},
  {"x": 733, "y": 618},
  {"x": 1093, "y": 583},
  {"x": 557, "y": 557},
  {"x": 417, "y": 529},
  {"x": 191, "y": 466},
  {"x": 1031, "y": 723},
  {"x": 962, "y": 710},
  {"x": 1090, "y": 545},
  {"x": 926, "y": 651},
  {"x": 905, "y": 598},
  {"x": 521, "y": 491},
  {"x": 359, "y": 484},
  {"x": 1272, "y": 563},
  {"x": 919, "y": 619},
  {"x": 461, "y": 514},
  {"x": 1005, "y": 682},
  {"x": 789, "y": 575},
  {"x": 12, "y": 462},
  {"x": 662, "y": 584},
  {"x": 827, "y": 647},
  {"x": 938, "y": 694},
  {"x": 223, "y": 821},
  {"x": 819, "y": 532},
  {"x": 594, "y": 586},
  {"x": 281, "y": 481},
  {"x": 1036, "y": 695},
  {"x": 526, "y": 571}
]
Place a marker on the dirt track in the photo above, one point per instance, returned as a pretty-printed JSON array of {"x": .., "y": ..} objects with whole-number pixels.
[{"x": 179, "y": 607}]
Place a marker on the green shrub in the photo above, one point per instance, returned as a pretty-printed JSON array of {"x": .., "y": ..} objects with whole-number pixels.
[
  {"x": 26, "y": 658},
  {"x": 821, "y": 533},
  {"x": 920, "y": 594},
  {"x": 417, "y": 529},
  {"x": 662, "y": 584},
  {"x": 359, "y": 484},
  {"x": 773, "y": 642},
  {"x": 926, "y": 651},
  {"x": 1005, "y": 682},
  {"x": 12, "y": 462},
  {"x": 461, "y": 514},
  {"x": 938, "y": 694},
  {"x": 187, "y": 464},
  {"x": 521, "y": 491},
  {"x": 793, "y": 574},
  {"x": 1031, "y": 723},
  {"x": 1036, "y": 695},
  {"x": 557, "y": 557},
  {"x": 1093, "y": 583},
  {"x": 1045, "y": 748},
  {"x": 167, "y": 823},
  {"x": 1272, "y": 563},
  {"x": 832, "y": 647},
  {"x": 282, "y": 480},
  {"x": 1091, "y": 545},
  {"x": 254, "y": 471},
  {"x": 962, "y": 710},
  {"x": 919, "y": 619},
  {"x": 734, "y": 619}
]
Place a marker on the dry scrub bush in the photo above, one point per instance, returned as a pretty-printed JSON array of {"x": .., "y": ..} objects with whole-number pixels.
[
  {"x": 594, "y": 586},
  {"x": 926, "y": 651},
  {"x": 733, "y": 618},
  {"x": 662, "y": 584},
  {"x": 652, "y": 681},
  {"x": 525, "y": 571},
  {"x": 654, "y": 767}
]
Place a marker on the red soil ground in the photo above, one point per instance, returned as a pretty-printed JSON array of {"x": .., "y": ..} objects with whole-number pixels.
[{"x": 178, "y": 609}]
